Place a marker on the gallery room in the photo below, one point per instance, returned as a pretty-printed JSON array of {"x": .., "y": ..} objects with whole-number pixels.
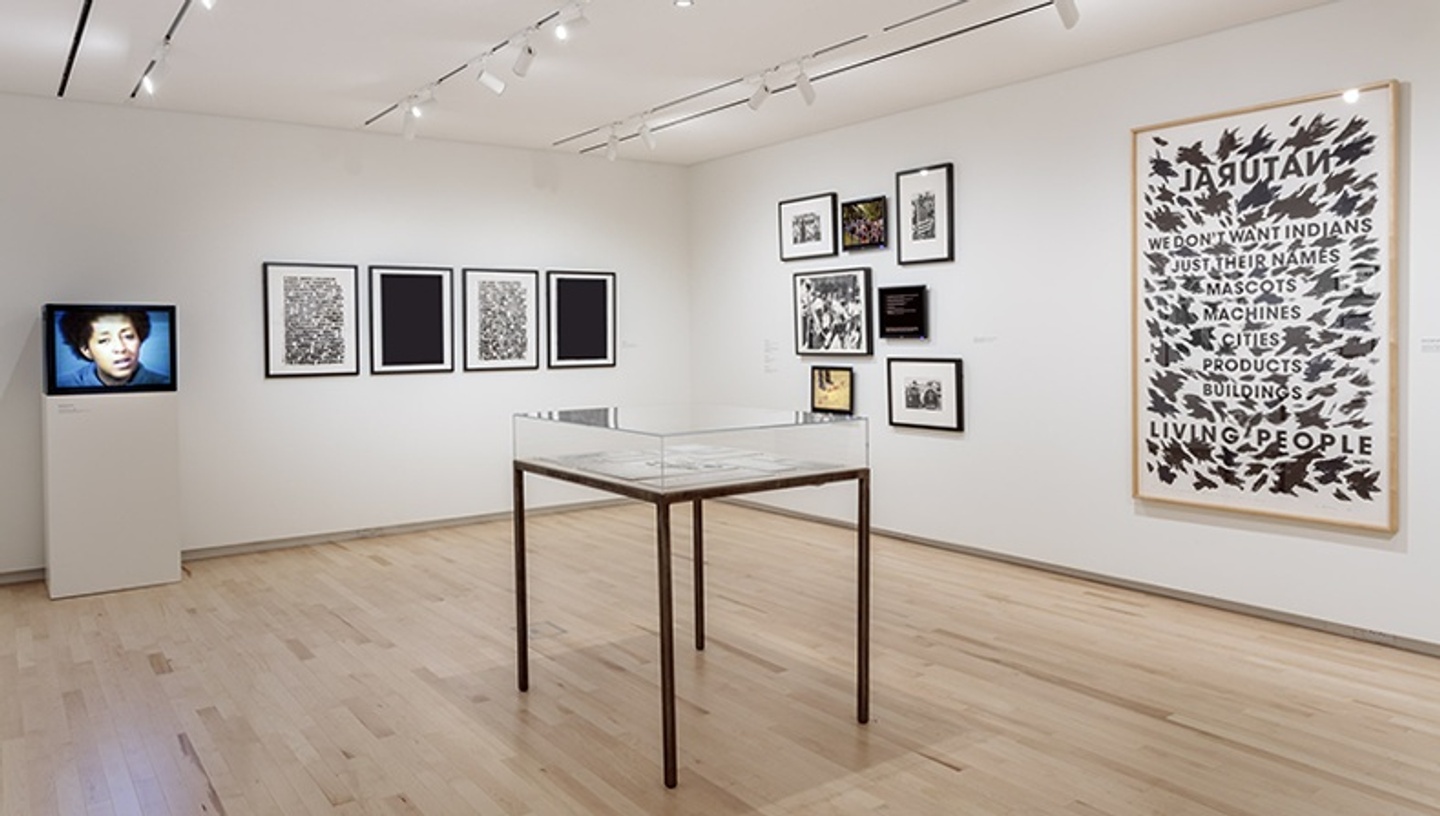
[{"x": 1051, "y": 385}]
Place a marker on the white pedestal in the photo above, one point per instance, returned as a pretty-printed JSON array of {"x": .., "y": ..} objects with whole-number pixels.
[{"x": 112, "y": 492}]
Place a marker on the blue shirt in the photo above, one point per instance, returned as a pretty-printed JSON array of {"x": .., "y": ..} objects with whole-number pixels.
[{"x": 88, "y": 377}]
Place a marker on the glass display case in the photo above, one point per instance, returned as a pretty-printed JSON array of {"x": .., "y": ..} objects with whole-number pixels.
[{"x": 675, "y": 447}]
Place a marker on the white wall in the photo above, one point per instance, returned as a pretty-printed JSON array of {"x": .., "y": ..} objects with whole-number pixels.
[
  {"x": 118, "y": 204},
  {"x": 1038, "y": 306}
]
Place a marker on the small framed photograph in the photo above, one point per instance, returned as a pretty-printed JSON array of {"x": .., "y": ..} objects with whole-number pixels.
[
  {"x": 832, "y": 312},
  {"x": 807, "y": 227},
  {"x": 312, "y": 320},
  {"x": 502, "y": 319},
  {"x": 863, "y": 223},
  {"x": 903, "y": 313},
  {"x": 582, "y": 319},
  {"x": 925, "y": 214},
  {"x": 411, "y": 319},
  {"x": 926, "y": 393},
  {"x": 832, "y": 390}
]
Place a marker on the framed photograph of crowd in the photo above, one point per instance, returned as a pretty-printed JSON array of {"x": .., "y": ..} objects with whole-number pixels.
[
  {"x": 411, "y": 324},
  {"x": 501, "y": 310},
  {"x": 807, "y": 227},
  {"x": 312, "y": 325},
  {"x": 1265, "y": 304},
  {"x": 863, "y": 223},
  {"x": 925, "y": 214},
  {"x": 832, "y": 390},
  {"x": 832, "y": 312},
  {"x": 582, "y": 319},
  {"x": 926, "y": 393}
]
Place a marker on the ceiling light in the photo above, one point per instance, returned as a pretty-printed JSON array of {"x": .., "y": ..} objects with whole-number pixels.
[
  {"x": 647, "y": 135},
  {"x": 151, "y": 78},
  {"x": 761, "y": 94},
  {"x": 524, "y": 58},
  {"x": 806, "y": 88},
  {"x": 571, "y": 21},
  {"x": 208, "y": 4},
  {"x": 1069, "y": 14},
  {"x": 612, "y": 145},
  {"x": 490, "y": 80}
]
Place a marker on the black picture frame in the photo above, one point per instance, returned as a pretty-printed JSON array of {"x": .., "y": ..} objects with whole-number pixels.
[
  {"x": 832, "y": 389},
  {"x": 411, "y": 319},
  {"x": 581, "y": 319},
  {"x": 312, "y": 319},
  {"x": 864, "y": 223},
  {"x": 807, "y": 227},
  {"x": 925, "y": 214},
  {"x": 832, "y": 312},
  {"x": 903, "y": 312},
  {"x": 926, "y": 393},
  {"x": 500, "y": 316}
]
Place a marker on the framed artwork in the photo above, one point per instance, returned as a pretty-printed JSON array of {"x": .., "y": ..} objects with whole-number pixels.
[
  {"x": 411, "y": 325},
  {"x": 832, "y": 312},
  {"x": 312, "y": 320},
  {"x": 807, "y": 227},
  {"x": 903, "y": 313},
  {"x": 501, "y": 309},
  {"x": 582, "y": 319},
  {"x": 925, "y": 214},
  {"x": 1264, "y": 302},
  {"x": 832, "y": 390},
  {"x": 863, "y": 223},
  {"x": 926, "y": 393}
]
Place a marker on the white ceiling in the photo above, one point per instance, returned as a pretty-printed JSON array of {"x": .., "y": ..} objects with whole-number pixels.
[{"x": 343, "y": 63}]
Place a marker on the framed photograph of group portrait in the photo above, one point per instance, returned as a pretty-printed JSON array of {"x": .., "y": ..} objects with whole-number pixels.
[{"x": 832, "y": 312}]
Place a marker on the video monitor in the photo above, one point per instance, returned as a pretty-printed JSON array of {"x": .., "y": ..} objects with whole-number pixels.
[{"x": 107, "y": 348}]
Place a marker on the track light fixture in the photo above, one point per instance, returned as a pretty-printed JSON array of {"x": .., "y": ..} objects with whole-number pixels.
[
  {"x": 490, "y": 79},
  {"x": 805, "y": 87},
  {"x": 647, "y": 135},
  {"x": 572, "y": 20},
  {"x": 612, "y": 145},
  {"x": 150, "y": 80},
  {"x": 761, "y": 94},
  {"x": 208, "y": 4},
  {"x": 524, "y": 58},
  {"x": 1069, "y": 13}
]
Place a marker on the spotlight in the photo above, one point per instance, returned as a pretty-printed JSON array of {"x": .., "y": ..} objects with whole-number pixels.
[
  {"x": 761, "y": 94},
  {"x": 571, "y": 22},
  {"x": 1069, "y": 14},
  {"x": 524, "y": 58},
  {"x": 208, "y": 4},
  {"x": 806, "y": 88},
  {"x": 647, "y": 135},
  {"x": 612, "y": 145},
  {"x": 684, "y": 3},
  {"x": 490, "y": 80},
  {"x": 151, "y": 79}
]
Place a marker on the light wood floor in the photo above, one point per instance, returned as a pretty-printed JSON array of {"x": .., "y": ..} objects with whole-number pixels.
[{"x": 377, "y": 677}]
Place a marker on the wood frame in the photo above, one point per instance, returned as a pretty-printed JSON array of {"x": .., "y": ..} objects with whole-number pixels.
[
  {"x": 1264, "y": 310},
  {"x": 411, "y": 319},
  {"x": 832, "y": 312},
  {"x": 501, "y": 319},
  {"x": 832, "y": 389},
  {"x": 312, "y": 319},
  {"x": 925, "y": 214},
  {"x": 926, "y": 393},
  {"x": 581, "y": 322},
  {"x": 807, "y": 227}
]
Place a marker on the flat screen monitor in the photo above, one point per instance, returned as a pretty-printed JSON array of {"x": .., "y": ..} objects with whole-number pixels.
[{"x": 108, "y": 348}]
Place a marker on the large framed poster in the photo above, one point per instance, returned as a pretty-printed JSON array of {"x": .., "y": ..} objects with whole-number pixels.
[{"x": 1264, "y": 346}]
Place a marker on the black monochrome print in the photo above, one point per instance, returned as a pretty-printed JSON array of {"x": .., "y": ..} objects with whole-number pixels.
[
  {"x": 922, "y": 216},
  {"x": 805, "y": 228},
  {"x": 923, "y": 394},
  {"x": 832, "y": 313},
  {"x": 314, "y": 321},
  {"x": 504, "y": 321}
]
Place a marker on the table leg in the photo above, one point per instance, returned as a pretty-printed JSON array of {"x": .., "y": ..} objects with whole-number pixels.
[
  {"x": 667, "y": 639},
  {"x": 697, "y": 540},
  {"x": 522, "y": 613},
  {"x": 862, "y": 645}
]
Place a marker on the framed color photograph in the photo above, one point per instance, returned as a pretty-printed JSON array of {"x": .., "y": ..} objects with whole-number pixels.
[
  {"x": 903, "y": 313},
  {"x": 582, "y": 319},
  {"x": 312, "y": 320},
  {"x": 411, "y": 324},
  {"x": 1265, "y": 304},
  {"x": 832, "y": 312},
  {"x": 925, "y": 214},
  {"x": 863, "y": 223},
  {"x": 926, "y": 393},
  {"x": 501, "y": 318},
  {"x": 807, "y": 227},
  {"x": 832, "y": 390}
]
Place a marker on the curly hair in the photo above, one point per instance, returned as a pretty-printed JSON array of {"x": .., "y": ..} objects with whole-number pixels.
[{"x": 77, "y": 325}]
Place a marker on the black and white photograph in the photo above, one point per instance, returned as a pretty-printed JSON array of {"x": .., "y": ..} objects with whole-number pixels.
[
  {"x": 582, "y": 319},
  {"x": 807, "y": 227},
  {"x": 832, "y": 312},
  {"x": 863, "y": 223},
  {"x": 411, "y": 324},
  {"x": 926, "y": 393},
  {"x": 501, "y": 319},
  {"x": 925, "y": 218},
  {"x": 312, "y": 326}
]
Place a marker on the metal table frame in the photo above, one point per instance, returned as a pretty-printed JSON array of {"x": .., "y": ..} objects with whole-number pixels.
[{"x": 663, "y": 500}]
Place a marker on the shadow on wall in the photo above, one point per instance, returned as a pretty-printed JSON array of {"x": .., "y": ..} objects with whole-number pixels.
[{"x": 22, "y": 528}]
